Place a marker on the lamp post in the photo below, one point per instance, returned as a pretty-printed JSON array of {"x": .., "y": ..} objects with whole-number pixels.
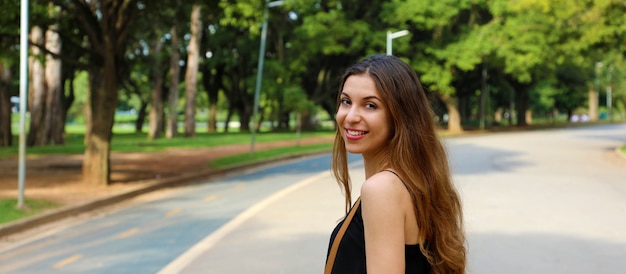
[
  {"x": 394, "y": 35},
  {"x": 259, "y": 76},
  {"x": 609, "y": 95},
  {"x": 21, "y": 172},
  {"x": 597, "y": 80}
]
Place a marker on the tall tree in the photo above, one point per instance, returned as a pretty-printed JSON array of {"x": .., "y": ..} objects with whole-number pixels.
[
  {"x": 156, "y": 112},
  {"x": 174, "y": 75},
  {"x": 6, "y": 136},
  {"x": 37, "y": 92},
  {"x": 447, "y": 42},
  {"x": 191, "y": 76},
  {"x": 106, "y": 27},
  {"x": 54, "y": 112}
]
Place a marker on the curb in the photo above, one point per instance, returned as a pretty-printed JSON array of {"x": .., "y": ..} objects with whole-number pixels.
[{"x": 152, "y": 185}]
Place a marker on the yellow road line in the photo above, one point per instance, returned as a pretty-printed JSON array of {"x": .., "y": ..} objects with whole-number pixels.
[
  {"x": 67, "y": 261},
  {"x": 173, "y": 212},
  {"x": 210, "y": 198},
  {"x": 128, "y": 233}
]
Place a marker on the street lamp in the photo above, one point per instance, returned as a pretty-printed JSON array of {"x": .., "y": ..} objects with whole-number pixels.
[
  {"x": 394, "y": 35},
  {"x": 597, "y": 80},
  {"x": 609, "y": 95},
  {"x": 259, "y": 76},
  {"x": 21, "y": 172}
]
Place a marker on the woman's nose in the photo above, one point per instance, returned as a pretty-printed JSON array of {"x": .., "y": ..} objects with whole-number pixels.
[{"x": 353, "y": 115}]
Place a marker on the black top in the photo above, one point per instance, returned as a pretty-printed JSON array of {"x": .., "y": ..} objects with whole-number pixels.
[{"x": 351, "y": 252}]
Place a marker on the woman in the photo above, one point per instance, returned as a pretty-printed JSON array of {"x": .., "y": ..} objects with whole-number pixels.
[{"x": 409, "y": 217}]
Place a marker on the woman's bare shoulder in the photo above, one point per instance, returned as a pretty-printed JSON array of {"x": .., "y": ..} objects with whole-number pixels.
[{"x": 384, "y": 187}]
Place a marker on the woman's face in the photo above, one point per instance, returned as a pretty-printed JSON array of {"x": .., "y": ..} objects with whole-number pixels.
[{"x": 362, "y": 116}]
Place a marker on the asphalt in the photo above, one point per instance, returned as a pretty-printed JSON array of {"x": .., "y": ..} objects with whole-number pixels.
[
  {"x": 64, "y": 212},
  {"x": 557, "y": 214}
]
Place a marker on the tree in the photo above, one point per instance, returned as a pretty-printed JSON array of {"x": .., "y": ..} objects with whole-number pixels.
[
  {"x": 191, "y": 76},
  {"x": 156, "y": 112},
  {"x": 6, "y": 138},
  {"x": 174, "y": 75},
  {"x": 105, "y": 25},
  {"x": 448, "y": 46},
  {"x": 9, "y": 56}
]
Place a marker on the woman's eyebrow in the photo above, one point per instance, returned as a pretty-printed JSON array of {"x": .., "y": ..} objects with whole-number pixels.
[
  {"x": 372, "y": 97},
  {"x": 364, "y": 98}
]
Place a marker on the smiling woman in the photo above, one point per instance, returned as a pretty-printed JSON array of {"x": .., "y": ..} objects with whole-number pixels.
[{"x": 408, "y": 218}]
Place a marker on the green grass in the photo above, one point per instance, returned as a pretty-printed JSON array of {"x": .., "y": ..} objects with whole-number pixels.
[
  {"x": 139, "y": 142},
  {"x": 624, "y": 149},
  {"x": 32, "y": 207},
  {"x": 269, "y": 154}
]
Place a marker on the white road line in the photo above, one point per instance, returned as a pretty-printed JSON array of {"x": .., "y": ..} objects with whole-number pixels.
[{"x": 207, "y": 243}]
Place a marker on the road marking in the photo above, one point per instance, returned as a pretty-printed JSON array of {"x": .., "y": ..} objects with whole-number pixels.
[
  {"x": 210, "y": 198},
  {"x": 128, "y": 233},
  {"x": 67, "y": 261},
  {"x": 207, "y": 243},
  {"x": 240, "y": 186},
  {"x": 173, "y": 212}
]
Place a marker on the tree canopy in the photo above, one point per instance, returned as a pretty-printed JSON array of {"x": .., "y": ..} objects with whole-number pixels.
[{"x": 478, "y": 58}]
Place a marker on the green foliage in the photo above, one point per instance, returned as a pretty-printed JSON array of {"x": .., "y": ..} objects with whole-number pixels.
[
  {"x": 10, "y": 212},
  {"x": 138, "y": 142},
  {"x": 549, "y": 46}
]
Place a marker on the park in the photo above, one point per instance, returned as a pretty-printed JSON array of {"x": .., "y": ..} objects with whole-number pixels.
[{"x": 118, "y": 94}]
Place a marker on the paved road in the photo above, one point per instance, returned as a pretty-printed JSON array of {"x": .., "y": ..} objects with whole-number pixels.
[
  {"x": 544, "y": 202},
  {"x": 535, "y": 202},
  {"x": 147, "y": 233}
]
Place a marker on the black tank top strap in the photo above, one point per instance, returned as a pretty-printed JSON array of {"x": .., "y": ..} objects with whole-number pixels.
[
  {"x": 394, "y": 173},
  {"x": 403, "y": 182}
]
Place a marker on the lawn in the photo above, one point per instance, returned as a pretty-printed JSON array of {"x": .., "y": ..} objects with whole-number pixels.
[
  {"x": 139, "y": 142},
  {"x": 134, "y": 142},
  {"x": 32, "y": 207}
]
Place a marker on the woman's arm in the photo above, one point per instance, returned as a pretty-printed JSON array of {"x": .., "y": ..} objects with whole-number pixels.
[{"x": 383, "y": 205}]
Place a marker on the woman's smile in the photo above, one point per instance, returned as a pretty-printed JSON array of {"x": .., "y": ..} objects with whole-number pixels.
[{"x": 353, "y": 134}]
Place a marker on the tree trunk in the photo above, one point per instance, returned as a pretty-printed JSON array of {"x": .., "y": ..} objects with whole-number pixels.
[
  {"x": 141, "y": 116},
  {"x": 229, "y": 115},
  {"x": 593, "y": 105},
  {"x": 54, "y": 84},
  {"x": 6, "y": 135},
  {"x": 528, "y": 116},
  {"x": 68, "y": 99},
  {"x": 156, "y": 111},
  {"x": 521, "y": 106},
  {"x": 244, "y": 120},
  {"x": 191, "y": 77},
  {"x": 454, "y": 117},
  {"x": 37, "y": 91},
  {"x": 103, "y": 95},
  {"x": 497, "y": 116},
  {"x": 307, "y": 121},
  {"x": 212, "y": 86},
  {"x": 172, "y": 123}
]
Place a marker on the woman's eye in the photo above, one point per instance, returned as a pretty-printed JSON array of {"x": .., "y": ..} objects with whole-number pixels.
[
  {"x": 345, "y": 101},
  {"x": 370, "y": 105}
]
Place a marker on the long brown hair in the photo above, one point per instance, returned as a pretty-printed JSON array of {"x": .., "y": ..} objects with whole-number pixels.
[{"x": 418, "y": 156}]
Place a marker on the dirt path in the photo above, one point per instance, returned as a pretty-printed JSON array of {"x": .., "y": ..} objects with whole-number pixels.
[{"x": 58, "y": 177}]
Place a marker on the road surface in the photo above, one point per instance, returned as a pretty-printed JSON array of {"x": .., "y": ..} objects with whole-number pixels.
[{"x": 549, "y": 201}]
